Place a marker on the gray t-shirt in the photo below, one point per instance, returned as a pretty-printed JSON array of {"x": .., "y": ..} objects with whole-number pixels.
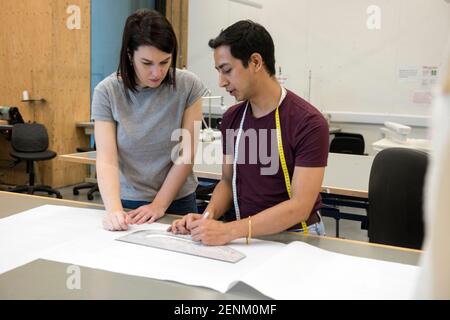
[{"x": 144, "y": 127}]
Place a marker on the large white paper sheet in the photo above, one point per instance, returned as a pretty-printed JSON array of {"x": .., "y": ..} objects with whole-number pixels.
[
  {"x": 24, "y": 236},
  {"x": 294, "y": 271},
  {"x": 302, "y": 271},
  {"x": 101, "y": 251}
]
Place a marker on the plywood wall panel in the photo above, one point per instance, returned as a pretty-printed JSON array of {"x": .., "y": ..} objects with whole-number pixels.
[
  {"x": 177, "y": 13},
  {"x": 40, "y": 54}
]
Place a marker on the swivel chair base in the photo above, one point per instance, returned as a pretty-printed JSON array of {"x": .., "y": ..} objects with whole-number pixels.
[
  {"x": 89, "y": 185},
  {"x": 40, "y": 188}
]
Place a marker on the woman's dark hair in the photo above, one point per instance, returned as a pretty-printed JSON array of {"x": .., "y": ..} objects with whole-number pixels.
[
  {"x": 245, "y": 38},
  {"x": 146, "y": 28}
]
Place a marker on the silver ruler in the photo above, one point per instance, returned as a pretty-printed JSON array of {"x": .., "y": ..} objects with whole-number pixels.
[{"x": 182, "y": 244}]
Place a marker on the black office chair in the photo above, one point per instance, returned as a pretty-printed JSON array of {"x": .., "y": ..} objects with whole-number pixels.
[
  {"x": 396, "y": 197},
  {"x": 30, "y": 143},
  {"x": 349, "y": 143},
  {"x": 92, "y": 186},
  {"x": 203, "y": 192}
]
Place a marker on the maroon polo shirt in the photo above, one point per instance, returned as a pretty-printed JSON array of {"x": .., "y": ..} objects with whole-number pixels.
[{"x": 305, "y": 144}]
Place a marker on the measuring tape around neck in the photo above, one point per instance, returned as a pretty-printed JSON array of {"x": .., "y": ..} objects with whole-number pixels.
[
  {"x": 280, "y": 151},
  {"x": 235, "y": 160}
]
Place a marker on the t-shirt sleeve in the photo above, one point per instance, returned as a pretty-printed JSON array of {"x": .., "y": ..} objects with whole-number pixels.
[
  {"x": 197, "y": 90},
  {"x": 224, "y": 125},
  {"x": 101, "y": 105},
  {"x": 311, "y": 148}
]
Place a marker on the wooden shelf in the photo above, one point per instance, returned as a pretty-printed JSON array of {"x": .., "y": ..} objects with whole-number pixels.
[{"x": 35, "y": 100}]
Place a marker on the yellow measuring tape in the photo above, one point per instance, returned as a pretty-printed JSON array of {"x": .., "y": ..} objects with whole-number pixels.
[{"x": 287, "y": 180}]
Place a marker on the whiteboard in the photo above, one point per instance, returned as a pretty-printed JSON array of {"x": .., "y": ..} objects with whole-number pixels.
[{"x": 353, "y": 69}]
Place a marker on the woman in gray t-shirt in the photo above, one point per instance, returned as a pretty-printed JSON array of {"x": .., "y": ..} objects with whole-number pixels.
[{"x": 138, "y": 112}]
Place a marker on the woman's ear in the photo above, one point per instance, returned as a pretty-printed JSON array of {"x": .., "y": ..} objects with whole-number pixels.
[{"x": 130, "y": 57}]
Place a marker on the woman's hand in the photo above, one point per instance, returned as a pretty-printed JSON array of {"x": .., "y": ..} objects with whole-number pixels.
[
  {"x": 146, "y": 214},
  {"x": 116, "y": 221}
]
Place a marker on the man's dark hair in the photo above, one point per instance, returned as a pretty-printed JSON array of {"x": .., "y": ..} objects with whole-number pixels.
[
  {"x": 245, "y": 38},
  {"x": 146, "y": 28}
]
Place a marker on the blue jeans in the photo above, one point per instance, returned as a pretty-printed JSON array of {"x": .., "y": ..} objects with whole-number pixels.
[
  {"x": 316, "y": 228},
  {"x": 181, "y": 206}
]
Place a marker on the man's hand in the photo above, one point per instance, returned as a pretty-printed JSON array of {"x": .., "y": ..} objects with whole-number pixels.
[
  {"x": 179, "y": 226},
  {"x": 210, "y": 232}
]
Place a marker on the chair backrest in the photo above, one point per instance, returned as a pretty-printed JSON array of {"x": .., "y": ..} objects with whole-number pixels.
[
  {"x": 395, "y": 210},
  {"x": 350, "y": 143},
  {"x": 29, "y": 137}
]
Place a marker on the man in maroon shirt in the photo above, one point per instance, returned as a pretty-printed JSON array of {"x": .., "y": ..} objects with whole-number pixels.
[{"x": 253, "y": 179}]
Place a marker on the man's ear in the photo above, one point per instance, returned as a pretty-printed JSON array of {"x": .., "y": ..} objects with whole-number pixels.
[{"x": 256, "y": 61}]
